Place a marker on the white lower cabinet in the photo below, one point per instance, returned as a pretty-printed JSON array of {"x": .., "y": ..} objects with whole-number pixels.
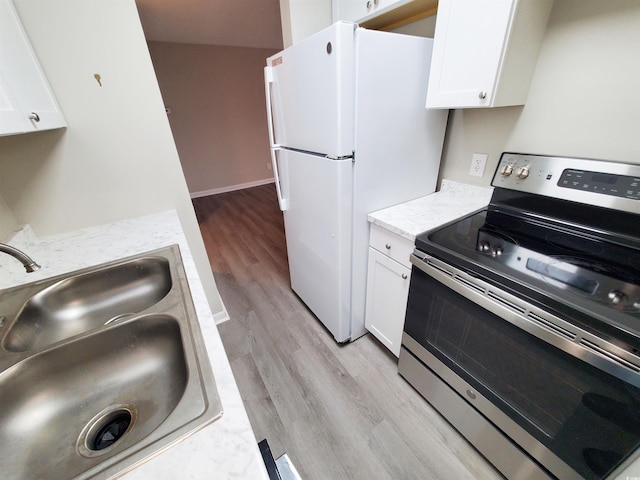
[{"x": 388, "y": 276}]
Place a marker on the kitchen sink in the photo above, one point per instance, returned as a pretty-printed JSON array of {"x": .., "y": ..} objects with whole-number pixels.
[
  {"x": 101, "y": 369},
  {"x": 83, "y": 302}
]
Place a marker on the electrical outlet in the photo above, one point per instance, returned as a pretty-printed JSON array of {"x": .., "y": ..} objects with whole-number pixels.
[
  {"x": 478, "y": 162},
  {"x": 268, "y": 166}
]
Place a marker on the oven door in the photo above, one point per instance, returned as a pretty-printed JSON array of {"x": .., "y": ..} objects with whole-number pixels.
[{"x": 560, "y": 410}]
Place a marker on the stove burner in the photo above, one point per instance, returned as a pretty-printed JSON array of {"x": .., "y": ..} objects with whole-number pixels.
[
  {"x": 575, "y": 243},
  {"x": 504, "y": 222}
]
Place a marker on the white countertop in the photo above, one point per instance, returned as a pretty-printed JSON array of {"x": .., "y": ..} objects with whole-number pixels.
[
  {"x": 454, "y": 200},
  {"x": 225, "y": 449}
]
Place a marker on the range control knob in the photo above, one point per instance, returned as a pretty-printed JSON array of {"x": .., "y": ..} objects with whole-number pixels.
[
  {"x": 506, "y": 170},
  {"x": 616, "y": 297},
  {"x": 522, "y": 173},
  {"x": 484, "y": 246},
  {"x": 496, "y": 251}
]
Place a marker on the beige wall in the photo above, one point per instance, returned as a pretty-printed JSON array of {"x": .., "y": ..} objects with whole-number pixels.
[
  {"x": 117, "y": 158},
  {"x": 8, "y": 222},
  {"x": 424, "y": 27},
  {"x": 301, "y": 18},
  {"x": 584, "y": 99},
  {"x": 218, "y": 114}
]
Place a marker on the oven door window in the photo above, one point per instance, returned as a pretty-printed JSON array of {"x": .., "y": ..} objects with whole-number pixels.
[{"x": 589, "y": 419}]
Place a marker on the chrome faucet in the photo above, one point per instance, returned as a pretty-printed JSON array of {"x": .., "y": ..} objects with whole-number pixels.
[{"x": 29, "y": 264}]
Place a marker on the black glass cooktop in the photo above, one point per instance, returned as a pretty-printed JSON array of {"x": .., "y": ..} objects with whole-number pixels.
[{"x": 583, "y": 269}]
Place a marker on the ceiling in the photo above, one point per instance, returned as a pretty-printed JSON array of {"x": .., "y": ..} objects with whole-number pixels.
[{"x": 239, "y": 23}]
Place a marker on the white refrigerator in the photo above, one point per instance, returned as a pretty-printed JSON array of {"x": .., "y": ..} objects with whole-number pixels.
[{"x": 349, "y": 135}]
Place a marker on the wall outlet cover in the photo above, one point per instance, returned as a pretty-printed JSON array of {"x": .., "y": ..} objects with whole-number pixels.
[{"x": 478, "y": 164}]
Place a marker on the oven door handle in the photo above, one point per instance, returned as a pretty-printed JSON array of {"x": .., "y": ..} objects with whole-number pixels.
[{"x": 547, "y": 327}]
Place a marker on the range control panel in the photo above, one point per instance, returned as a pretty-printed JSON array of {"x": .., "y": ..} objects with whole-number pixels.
[
  {"x": 594, "y": 182},
  {"x": 603, "y": 183}
]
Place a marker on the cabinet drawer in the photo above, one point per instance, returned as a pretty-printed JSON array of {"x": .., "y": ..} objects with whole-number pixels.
[{"x": 394, "y": 246}]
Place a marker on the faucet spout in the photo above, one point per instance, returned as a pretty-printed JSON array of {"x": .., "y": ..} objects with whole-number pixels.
[{"x": 29, "y": 264}]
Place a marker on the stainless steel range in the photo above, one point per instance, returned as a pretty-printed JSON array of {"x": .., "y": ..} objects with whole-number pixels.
[{"x": 523, "y": 319}]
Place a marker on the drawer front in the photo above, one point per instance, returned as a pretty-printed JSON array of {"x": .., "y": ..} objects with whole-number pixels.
[{"x": 394, "y": 246}]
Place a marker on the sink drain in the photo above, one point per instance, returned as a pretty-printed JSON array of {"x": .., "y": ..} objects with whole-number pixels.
[
  {"x": 111, "y": 431},
  {"x": 106, "y": 429}
]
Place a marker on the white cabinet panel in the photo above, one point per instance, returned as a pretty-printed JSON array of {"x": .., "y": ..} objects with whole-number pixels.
[
  {"x": 27, "y": 103},
  {"x": 387, "y": 292},
  {"x": 358, "y": 10},
  {"x": 388, "y": 275},
  {"x": 485, "y": 52}
]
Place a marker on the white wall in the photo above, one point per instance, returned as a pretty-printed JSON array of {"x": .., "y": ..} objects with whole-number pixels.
[
  {"x": 117, "y": 158},
  {"x": 218, "y": 113},
  {"x": 301, "y": 18},
  {"x": 584, "y": 99}
]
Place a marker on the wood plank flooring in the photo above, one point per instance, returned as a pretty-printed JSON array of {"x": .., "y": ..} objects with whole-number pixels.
[{"x": 338, "y": 411}]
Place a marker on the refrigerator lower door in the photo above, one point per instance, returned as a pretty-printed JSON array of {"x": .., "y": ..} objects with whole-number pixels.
[{"x": 318, "y": 231}]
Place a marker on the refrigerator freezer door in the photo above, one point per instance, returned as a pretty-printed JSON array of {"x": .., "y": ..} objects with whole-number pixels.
[
  {"x": 318, "y": 232},
  {"x": 311, "y": 85}
]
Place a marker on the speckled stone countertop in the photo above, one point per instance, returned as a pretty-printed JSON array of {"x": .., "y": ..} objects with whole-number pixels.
[
  {"x": 224, "y": 449},
  {"x": 454, "y": 200}
]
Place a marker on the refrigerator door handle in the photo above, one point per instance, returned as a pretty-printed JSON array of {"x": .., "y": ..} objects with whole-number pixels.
[
  {"x": 283, "y": 202},
  {"x": 268, "y": 81}
]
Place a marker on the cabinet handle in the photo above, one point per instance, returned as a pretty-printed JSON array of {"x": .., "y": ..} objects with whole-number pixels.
[
  {"x": 34, "y": 116},
  {"x": 404, "y": 276},
  {"x": 388, "y": 246},
  {"x": 482, "y": 95}
]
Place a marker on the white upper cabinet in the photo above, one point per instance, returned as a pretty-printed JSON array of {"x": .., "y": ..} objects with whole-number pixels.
[
  {"x": 27, "y": 103},
  {"x": 356, "y": 10},
  {"x": 485, "y": 52},
  {"x": 382, "y": 14}
]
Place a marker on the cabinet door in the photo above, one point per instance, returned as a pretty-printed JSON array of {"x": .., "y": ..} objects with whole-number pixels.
[
  {"x": 12, "y": 120},
  {"x": 26, "y": 101},
  {"x": 387, "y": 292},
  {"x": 468, "y": 46}
]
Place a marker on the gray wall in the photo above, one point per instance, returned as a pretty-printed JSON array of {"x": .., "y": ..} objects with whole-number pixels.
[{"x": 218, "y": 114}]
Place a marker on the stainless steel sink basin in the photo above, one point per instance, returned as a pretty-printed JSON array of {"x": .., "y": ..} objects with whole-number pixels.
[
  {"x": 128, "y": 378},
  {"x": 87, "y": 301}
]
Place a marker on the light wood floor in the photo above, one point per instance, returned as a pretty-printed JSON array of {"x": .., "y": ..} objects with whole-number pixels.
[{"x": 338, "y": 411}]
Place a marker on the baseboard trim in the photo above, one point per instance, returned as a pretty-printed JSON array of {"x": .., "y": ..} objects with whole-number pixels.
[{"x": 241, "y": 186}]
